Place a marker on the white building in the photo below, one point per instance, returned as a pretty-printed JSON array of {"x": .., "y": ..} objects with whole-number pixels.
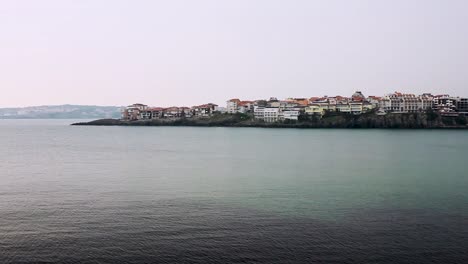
[
  {"x": 445, "y": 103},
  {"x": 406, "y": 103},
  {"x": 290, "y": 114},
  {"x": 232, "y": 106},
  {"x": 271, "y": 114},
  {"x": 259, "y": 112},
  {"x": 356, "y": 108},
  {"x": 132, "y": 112},
  {"x": 344, "y": 108},
  {"x": 146, "y": 114}
]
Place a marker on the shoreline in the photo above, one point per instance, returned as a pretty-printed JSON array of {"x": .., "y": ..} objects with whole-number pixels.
[{"x": 340, "y": 121}]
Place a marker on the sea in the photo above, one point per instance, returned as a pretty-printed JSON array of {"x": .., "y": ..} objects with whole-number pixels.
[{"x": 79, "y": 194}]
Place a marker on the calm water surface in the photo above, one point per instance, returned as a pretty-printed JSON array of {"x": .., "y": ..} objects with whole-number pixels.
[{"x": 231, "y": 195}]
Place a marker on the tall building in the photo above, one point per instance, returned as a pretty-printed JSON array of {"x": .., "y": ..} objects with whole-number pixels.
[
  {"x": 462, "y": 105},
  {"x": 232, "y": 106},
  {"x": 406, "y": 103}
]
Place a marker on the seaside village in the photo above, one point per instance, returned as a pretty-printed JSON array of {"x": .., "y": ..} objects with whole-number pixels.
[{"x": 274, "y": 110}]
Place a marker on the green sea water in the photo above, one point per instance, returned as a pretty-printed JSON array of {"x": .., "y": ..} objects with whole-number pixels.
[{"x": 58, "y": 182}]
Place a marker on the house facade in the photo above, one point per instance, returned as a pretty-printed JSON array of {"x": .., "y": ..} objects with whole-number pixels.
[
  {"x": 274, "y": 110},
  {"x": 133, "y": 112},
  {"x": 232, "y": 106},
  {"x": 406, "y": 103},
  {"x": 271, "y": 114}
]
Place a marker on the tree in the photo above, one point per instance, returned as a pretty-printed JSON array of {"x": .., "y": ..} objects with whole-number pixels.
[
  {"x": 461, "y": 120},
  {"x": 431, "y": 114}
]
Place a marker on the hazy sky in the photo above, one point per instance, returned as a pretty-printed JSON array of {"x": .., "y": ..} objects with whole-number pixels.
[{"x": 175, "y": 52}]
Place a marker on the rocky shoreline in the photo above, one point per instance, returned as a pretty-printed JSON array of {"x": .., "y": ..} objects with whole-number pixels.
[{"x": 335, "y": 120}]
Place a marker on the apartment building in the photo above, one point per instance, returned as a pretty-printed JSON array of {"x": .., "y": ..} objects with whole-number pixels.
[
  {"x": 271, "y": 114},
  {"x": 406, "y": 103},
  {"x": 232, "y": 105}
]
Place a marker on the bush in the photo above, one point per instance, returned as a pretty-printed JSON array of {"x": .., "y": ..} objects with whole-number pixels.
[{"x": 461, "y": 120}]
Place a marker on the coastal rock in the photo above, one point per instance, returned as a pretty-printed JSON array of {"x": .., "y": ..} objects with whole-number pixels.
[{"x": 333, "y": 120}]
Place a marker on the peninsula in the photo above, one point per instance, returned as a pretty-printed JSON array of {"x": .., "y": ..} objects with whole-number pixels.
[
  {"x": 396, "y": 110},
  {"x": 368, "y": 120}
]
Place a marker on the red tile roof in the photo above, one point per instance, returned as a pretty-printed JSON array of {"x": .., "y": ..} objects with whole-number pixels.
[{"x": 155, "y": 109}]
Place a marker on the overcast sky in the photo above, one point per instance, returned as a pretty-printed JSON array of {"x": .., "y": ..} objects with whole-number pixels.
[{"x": 174, "y": 52}]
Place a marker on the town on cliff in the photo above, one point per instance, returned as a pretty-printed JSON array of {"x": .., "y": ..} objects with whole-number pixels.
[{"x": 296, "y": 109}]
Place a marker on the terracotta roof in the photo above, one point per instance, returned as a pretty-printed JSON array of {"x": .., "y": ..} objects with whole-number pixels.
[
  {"x": 243, "y": 103},
  {"x": 205, "y": 105},
  {"x": 155, "y": 109},
  {"x": 172, "y": 108}
]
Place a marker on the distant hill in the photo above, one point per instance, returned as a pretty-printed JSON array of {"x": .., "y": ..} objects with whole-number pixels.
[{"x": 60, "y": 112}]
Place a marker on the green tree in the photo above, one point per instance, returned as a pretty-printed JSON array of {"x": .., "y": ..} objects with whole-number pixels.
[{"x": 461, "y": 120}]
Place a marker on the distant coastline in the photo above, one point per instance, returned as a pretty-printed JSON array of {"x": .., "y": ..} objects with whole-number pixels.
[
  {"x": 335, "y": 120},
  {"x": 60, "y": 112}
]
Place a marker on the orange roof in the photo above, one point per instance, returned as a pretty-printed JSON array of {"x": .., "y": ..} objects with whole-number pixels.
[
  {"x": 243, "y": 103},
  {"x": 155, "y": 109},
  {"x": 172, "y": 108}
]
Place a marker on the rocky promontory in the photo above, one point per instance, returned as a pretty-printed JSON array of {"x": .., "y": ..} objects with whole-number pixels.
[{"x": 330, "y": 120}]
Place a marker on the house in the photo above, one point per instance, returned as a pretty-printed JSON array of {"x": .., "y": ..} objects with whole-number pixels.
[
  {"x": 173, "y": 112},
  {"x": 445, "y": 104},
  {"x": 287, "y": 104},
  {"x": 290, "y": 114},
  {"x": 262, "y": 103},
  {"x": 156, "y": 112},
  {"x": 185, "y": 111},
  {"x": 374, "y": 100},
  {"x": 245, "y": 107},
  {"x": 145, "y": 115},
  {"x": 271, "y": 114},
  {"x": 341, "y": 99},
  {"x": 313, "y": 100},
  {"x": 355, "y": 107},
  {"x": 273, "y": 102},
  {"x": 133, "y": 112},
  {"x": 299, "y": 101},
  {"x": 367, "y": 106},
  {"x": 259, "y": 112},
  {"x": 232, "y": 105},
  {"x": 315, "y": 109},
  {"x": 344, "y": 108},
  {"x": 358, "y": 97},
  {"x": 406, "y": 103},
  {"x": 462, "y": 105},
  {"x": 205, "y": 110}
]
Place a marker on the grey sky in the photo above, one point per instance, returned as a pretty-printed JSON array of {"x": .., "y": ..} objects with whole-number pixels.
[{"x": 175, "y": 52}]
